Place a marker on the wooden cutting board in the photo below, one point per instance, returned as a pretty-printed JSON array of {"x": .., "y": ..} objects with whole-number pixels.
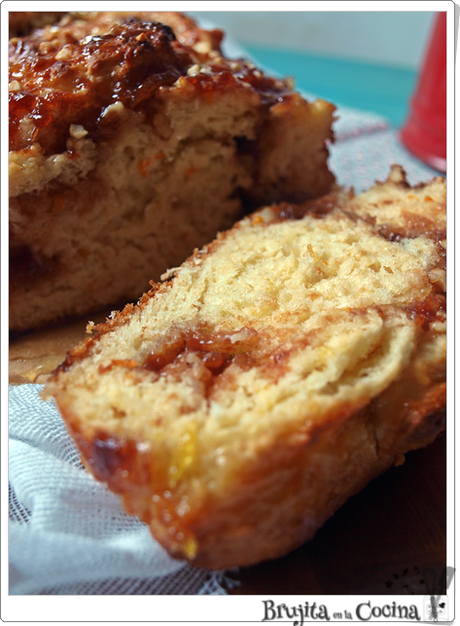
[
  {"x": 34, "y": 355},
  {"x": 388, "y": 539}
]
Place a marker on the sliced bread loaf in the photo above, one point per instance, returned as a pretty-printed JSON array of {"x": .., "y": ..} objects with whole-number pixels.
[
  {"x": 133, "y": 140},
  {"x": 272, "y": 375}
]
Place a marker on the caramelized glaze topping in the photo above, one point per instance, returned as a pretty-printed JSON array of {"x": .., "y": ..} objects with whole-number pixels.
[
  {"x": 72, "y": 81},
  {"x": 414, "y": 226},
  {"x": 71, "y": 73},
  {"x": 271, "y": 90}
]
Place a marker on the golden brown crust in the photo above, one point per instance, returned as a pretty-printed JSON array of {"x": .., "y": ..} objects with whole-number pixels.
[
  {"x": 68, "y": 80},
  {"x": 133, "y": 140},
  {"x": 235, "y": 428},
  {"x": 71, "y": 72},
  {"x": 410, "y": 211},
  {"x": 282, "y": 500},
  {"x": 311, "y": 472}
]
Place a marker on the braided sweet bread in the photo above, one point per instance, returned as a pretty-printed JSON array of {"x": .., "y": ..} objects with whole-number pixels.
[
  {"x": 133, "y": 140},
  {"x": 272, "y": 375}
]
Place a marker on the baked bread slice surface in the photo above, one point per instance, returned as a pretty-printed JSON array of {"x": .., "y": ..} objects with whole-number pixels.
[
  {"x": 132, "y": 141},
  {"x": 272, "y": 375}
]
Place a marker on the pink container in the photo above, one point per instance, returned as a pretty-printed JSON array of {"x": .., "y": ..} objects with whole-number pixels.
[{"x": 424, "y": 133}]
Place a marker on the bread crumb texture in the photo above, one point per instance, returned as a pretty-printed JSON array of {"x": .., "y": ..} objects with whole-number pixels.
[
  {"x": 279, "y": 369},
  {"x": 132, "y": 141}
]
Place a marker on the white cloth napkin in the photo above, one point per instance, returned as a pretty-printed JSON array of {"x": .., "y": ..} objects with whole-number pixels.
[
  {"x": 68, "y": 533},
  {"x": 360, "y": 161}
]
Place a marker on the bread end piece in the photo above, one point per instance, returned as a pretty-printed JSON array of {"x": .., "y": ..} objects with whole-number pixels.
[{"x": 279, "y": 370}]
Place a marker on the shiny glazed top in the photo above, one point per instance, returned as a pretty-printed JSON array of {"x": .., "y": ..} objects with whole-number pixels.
[{"x": 71, "y": 72}]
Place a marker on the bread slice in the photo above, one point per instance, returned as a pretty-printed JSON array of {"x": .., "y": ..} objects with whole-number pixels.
[
  {"x": 133, "y": 140},
  {"x": 272, "y": 375}
]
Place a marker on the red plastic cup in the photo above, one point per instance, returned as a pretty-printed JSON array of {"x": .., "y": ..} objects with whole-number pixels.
[{"x": 424, "y": 133}]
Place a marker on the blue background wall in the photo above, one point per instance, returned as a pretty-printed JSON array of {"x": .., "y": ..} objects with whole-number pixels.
[{"x": 362, "y": 59}]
